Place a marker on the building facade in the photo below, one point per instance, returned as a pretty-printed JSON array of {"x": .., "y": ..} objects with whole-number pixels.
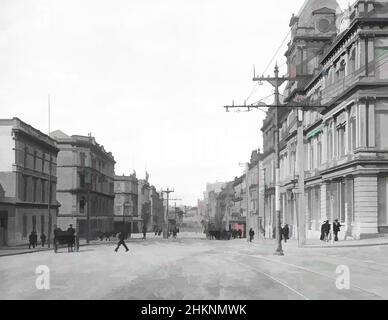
[
  {"x": 125, "y": 203},
  {"x": 339, "y": 64},
  {"x": 28, "y": 179},
  {"x": 85, "y": 184}
]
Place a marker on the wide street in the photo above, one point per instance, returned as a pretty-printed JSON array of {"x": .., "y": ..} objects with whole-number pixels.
[{"x": 194, "y": 268}]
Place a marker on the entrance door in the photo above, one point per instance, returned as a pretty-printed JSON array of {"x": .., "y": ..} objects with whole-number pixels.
[
  {"x": 3, "y": 228},
  {"x": 383, "y": 205}
]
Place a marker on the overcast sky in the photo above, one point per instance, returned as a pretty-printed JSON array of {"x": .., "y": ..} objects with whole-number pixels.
[{"x": 147, "y": 78}]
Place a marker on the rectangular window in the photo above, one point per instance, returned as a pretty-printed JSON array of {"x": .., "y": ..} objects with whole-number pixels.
[
  {"x": 43, "y": 161},
  {"x": 34, "y": 223},
  {"x": 25, "y": 188},
  {"x": 82, "y": 159},
  {"x": 329, "y": 144},
  {"x": 341, "y": 141},
  {"x": 35, "y": 155},
  {"x": 353, "y": 133},
  {"x": 34, "y": 189},
  {"x": 82, "y": 180},
  {"x": 24, "y": 226},
  {"x": 41, "y": 224},
  {"x": 43, "y": 191},
  {"x": 25, "y": 157}
]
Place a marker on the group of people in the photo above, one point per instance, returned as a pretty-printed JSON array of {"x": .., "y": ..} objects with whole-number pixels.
[
  {"x": 236, "y": 233},
  {"x": 33, "y": 239},
  {"x": 325, "y": 230}
]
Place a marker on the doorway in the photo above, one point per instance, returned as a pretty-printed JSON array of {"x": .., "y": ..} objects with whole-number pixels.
[{"x": 3, "y": 228}]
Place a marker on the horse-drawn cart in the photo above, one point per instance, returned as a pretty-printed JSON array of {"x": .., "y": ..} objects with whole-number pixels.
[{"x": 68, "y": 238}]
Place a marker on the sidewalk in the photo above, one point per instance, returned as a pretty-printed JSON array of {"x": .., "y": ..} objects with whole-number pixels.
[
  {"x": 23, "y": 249},
  {"x": 318, "y": 244}
]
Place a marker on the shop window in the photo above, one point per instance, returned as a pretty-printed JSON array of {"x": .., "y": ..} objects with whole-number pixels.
[{"x": 82, "y": 203}]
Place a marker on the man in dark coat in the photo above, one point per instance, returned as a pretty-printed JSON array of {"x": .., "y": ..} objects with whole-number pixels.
[
  {"x": 144, "y": 232},
  {"x": 325, "y": 230},
  {"x": 286, "y": 232},
  {"x": 121, "y": 242},
  {"x": 239, "y": 233},
  {"x": 31, "y": 240},
  {"x": 71, "y": 233},
  {"x": 251, "y": 234},
  {"x": 336, "y": 229},
  {"x": 43, "y": 239}
]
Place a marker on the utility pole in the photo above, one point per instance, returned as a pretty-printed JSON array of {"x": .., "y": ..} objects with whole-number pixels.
[
  {"x": 301, "y": 159},
  {"x": 49, "y": 181},
  {"x": 276, "y": 82},
  {"x": 49, "y": 202},
  {"x": 165, "y": 225}
]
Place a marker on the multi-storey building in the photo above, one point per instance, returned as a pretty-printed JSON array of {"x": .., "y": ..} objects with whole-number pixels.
[
  {"x": 339, "y": 61},
  {"x": 126, "y": 202},
  {"x": 157, "y": 209},
  {"x": 28, "y": 176},
  {"x": 85, "y": 183},
  {"x": 144, "y": 204}
]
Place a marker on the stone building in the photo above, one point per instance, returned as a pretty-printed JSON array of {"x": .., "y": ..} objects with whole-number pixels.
[
  {"x": 85, "y": 183},
  {"x": 28, "y": 179},
  {"x": 125, "y": 203},
  {"x": 144, "y": 204},
  {"x": 339, "y": 62},
  {"x": 157, "y": 209}
]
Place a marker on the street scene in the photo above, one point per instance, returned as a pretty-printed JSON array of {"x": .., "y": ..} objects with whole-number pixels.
[
  {"x": 192, "y": 268},
  {"x": 134, "y": 166}
]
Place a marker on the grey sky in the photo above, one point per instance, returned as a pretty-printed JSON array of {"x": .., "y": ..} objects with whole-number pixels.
[{"x": 147, "y": 78}]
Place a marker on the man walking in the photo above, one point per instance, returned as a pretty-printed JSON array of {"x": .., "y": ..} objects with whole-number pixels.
[
  {"x": 251, "y": 234},
  {"x": 336, "y": 229},
  {"x": 121, "y": 242}
]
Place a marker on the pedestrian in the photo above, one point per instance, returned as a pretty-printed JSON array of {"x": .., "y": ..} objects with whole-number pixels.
[
  {"x": 325, "y": 230},
  {"x": 336, "y": 229},
  {"x": 240, "y": 233},
  {"x": 121, "y": 242},
  {"x": 56, "y": 233},
  {"x": 43, "y": 239},
  {"x": 286, "y": 232},
  {"x": 144, "y": 232},
  {"x": 71, "y": 234},
  {"x": 35, "y": 239},
  {"x": 251, "y": 234},
  {"x": 31, "y": 240}
]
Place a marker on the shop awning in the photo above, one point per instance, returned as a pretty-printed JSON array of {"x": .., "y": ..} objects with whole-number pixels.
[{"x": 315, "y": 131}]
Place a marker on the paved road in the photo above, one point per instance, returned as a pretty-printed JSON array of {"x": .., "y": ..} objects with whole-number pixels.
[{"x": 197, "y": 269}]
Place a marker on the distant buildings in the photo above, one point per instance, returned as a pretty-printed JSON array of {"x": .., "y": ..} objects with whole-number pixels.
[
  {"x": 85, "y": 183},
  {"x": 28, "y": 181}
]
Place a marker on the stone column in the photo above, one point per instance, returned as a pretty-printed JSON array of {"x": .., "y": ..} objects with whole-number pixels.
[
  {"x": 371, "y": 125},
  {"x": 347, "y": 132},
  {"x": 323, "y": 201},
  {"x": 365, "y": 205}
]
